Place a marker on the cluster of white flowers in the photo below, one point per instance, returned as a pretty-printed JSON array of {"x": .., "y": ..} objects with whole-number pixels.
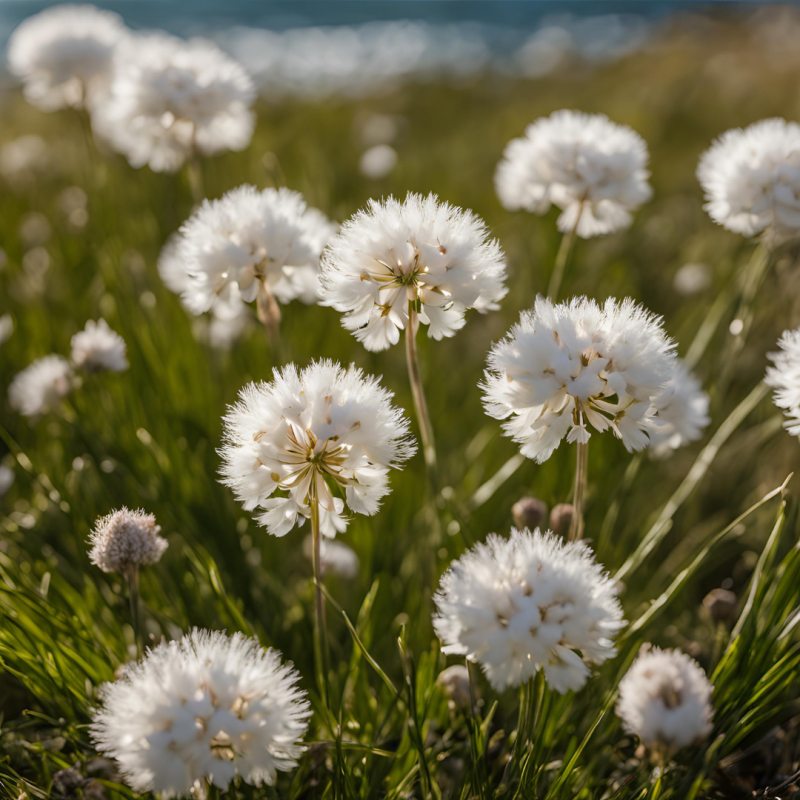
[
  {"x": 65, "y": 55},
  {"x": 206, "y": 709},
  {"x": 566, "y": 365},
  {"x": 421, "y": 254},
  {"x": 307, "y": 434},
  {"x": 594, "y": 170},
  {"x": 124, "y": 540},
  {"x": 39, "y": 388},
  {"x": 527, "y": 603},
  {"x": 97, "y": 348},
  {"x": 784, "y": 377},
  {"x": 751, "y": 178},
  {"x": 665, "y": 700},
  {"x": 171, "y": 99}
]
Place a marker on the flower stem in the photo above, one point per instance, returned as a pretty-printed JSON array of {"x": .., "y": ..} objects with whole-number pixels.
[
  {"x": 320, "y": 625},
  {"x": 421, "y": 407},
  {"x": 562, "y": 257},
  {"x": 581, "y": 474},
  {"x": 194, "y": 173},
  {"x": 269, "y": 314},
  {"x": 133, "y": 597}
]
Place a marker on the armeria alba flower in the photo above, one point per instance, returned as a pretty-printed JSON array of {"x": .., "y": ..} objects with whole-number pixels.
[
  {"x": 230, "y": 247},
  {"x": 314, "y": 433},
  {"x": 526, "y": 603},
  {"x": 563, "y": 366},
  {"x": 751, "y": 178},
  {"x": 97, "y": 348},
  {"x": 681, "y": 413},
  {"x": 665, "y": 700},
  {"x": 124, "y": 540},
  {"x": 40, "y": 386},
  {"x": 784, "y": 377},
  {"x": 421, "y": 253},
  {"x": 201, "y": 711},
  {"x": 171, "y": 99},
  {"x": 594, "y": 170},
  {"x": 65, "y": 54}
]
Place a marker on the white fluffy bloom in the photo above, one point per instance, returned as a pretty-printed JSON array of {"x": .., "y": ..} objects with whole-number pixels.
[
  {"x": 784, "y": 377},
  {"x": 172, "y": 98},
  {"x": 566, "y": 365},
  {"x": 124, "y": 540},
  {"x": 335, "y": 557},
  {"x": 64, "y": 55},
  {"x": 751, "y": 178},
  {"x": 681, "y": 413},
  {"x": 97, "y": 348},
  {"x": 231, "y": 247},
  {"x": 310, "y": 433},
  {"x": 594, "y": 170},
  {"x": 205, "y": 709},
  {"x": 40, "y": 386},
  {"x": 665, "y": 700},
  {"x": 419, "y": 252},
  {"x": 378, "y": 161},
  {"x": 526, "y": 603}
]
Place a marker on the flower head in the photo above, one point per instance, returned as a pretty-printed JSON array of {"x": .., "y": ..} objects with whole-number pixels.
[
  {"x": 40, "y": 386},
  {"x": 172, "y": 98},
  {"x": 784, "y": 377},
  {"x": 527, "y": 603},
  {"x": 665, "y": 700},
  {"x": 230, "y": 247},
  {"x": 566, "y": 365},
  {"x": 751, "y": 178},
  {"x": 594, "y": 170},
  {"x": 681, "y": 412},
  {"x": 309, "y": 434},
  {"x": 65, "y": 54},
  {"x": 418, "y": 253},
  {"x": 124, "y": 540},
  {"x": 207, "y": 708},
  {"x": 97, "y": 348}
]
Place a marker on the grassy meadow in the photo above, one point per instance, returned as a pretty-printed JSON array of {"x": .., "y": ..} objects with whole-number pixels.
[{"x": 148, "y": 437}]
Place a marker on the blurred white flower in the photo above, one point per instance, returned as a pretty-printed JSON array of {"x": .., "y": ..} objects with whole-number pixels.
[
  {"x": 692, "y": 278},
  {"x": 335, "y": 558},
  {"x": 681, "y": 413},
  {"x": 6, "y": 478},
  {"x": 124, "y": 540},
  {"x": 40, "y": 386},
  {"x": 594, "y": 170},
  {"x": 378, "y": 129},
  {"x": 419, "y": 252},
  {"x": 97, "y": 348},
  {"x": 205, "y": 709},
  {"x": 64, "y": 55},
  {"x": 784, "y": 377},
  {"x": 574, "y": 363},
  {"x": 455, "y": 682},
  {"x": 171, "y": 99},
  {"x": 23, "y": 159},
  {"x": 378, "y": 161},
  {"x": 526, "y": 603},
  {"x": 665, "y": 700},
  {"x": 6, "y": 328},
  {"x": 308, "y": 434},
  {"x": 751, "y": 178}
]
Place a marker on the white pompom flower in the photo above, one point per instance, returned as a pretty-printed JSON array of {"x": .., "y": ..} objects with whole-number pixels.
[
  {"x": 419, "y": 253},
  {"x": 202, "y": 711},
  {"x": 322, "y": 434},
  {"x": 124, "y": 540},
  {"x": 681, "y": 413},
  {"x": 784, "y": 377},
  {"x": 751, "y": 178},
  {"x": 64, "y": 55},
  {"x": 97, "y": 348},
  {"x": 528, "y": 603},
  {"x": 665, "y": 700},
  {"x": 173, "y": 99},
  {"x": 566, "y": 366},
  {"x": 38, "y": 389},
  {"x": 594, "y": 170}
]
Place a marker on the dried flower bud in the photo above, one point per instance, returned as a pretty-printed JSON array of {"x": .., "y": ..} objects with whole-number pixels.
[
  {"x": 530, "y": 513},
  {"x": 720, "y": 603},
  {"x": 126, "y": 539},
  {"x": 561, "y": 518}
]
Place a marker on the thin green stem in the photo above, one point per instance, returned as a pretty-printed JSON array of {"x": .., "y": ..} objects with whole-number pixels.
[
  {"x": 581, "y": 475},
  {"x": 562, "y": 258},
  {"x": 269, "y": 314},
  {"x": 320, "y": 623},
  {"x": 133, "y": 596}
]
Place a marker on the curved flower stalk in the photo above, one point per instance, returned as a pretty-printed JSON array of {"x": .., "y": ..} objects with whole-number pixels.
[
  {"x": 400, "y": 265},
  {"x": 203, "y": 711},
  {"x": 594, "y": 170},
  {"x": 566, "y": 367}
]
